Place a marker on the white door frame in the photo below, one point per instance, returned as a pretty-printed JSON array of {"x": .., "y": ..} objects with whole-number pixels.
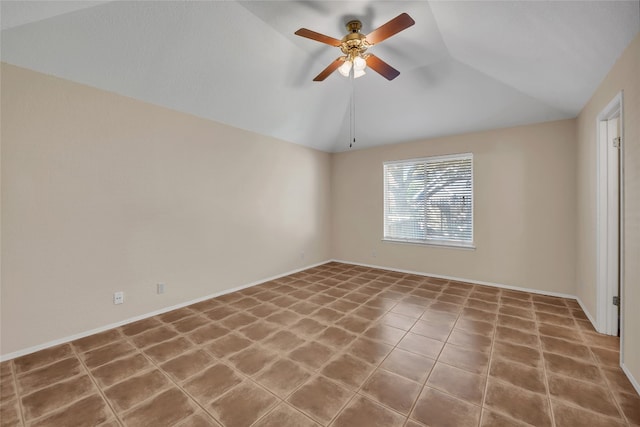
[{"x": 609, "y": 257}]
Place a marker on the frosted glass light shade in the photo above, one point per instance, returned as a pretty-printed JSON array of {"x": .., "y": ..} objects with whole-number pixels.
[
  {"x": 359, "y": 63},
  {"x": 345, "y": 68}
]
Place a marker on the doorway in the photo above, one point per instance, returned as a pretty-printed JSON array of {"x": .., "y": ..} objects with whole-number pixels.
[{"x": 609, "y": 221}]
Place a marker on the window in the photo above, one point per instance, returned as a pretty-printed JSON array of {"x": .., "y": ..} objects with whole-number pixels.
[{"x": 429, "y": 200}]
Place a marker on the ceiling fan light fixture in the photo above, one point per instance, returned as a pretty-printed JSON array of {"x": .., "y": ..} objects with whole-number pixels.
[
  {"x": 355, "y": 44},
  {"x": 345, "y": 68}
]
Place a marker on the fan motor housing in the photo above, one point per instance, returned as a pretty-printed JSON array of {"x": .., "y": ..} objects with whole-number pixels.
[{"x": 354, "y": 40}]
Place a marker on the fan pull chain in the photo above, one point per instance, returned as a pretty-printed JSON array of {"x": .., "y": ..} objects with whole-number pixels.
[{"x": 352, "y": 115}]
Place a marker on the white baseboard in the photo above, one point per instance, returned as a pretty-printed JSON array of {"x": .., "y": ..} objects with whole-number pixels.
[
  {"x": 632, "y": 379},
  {"x": 462, "y": 279},
  {"x": 74, "y": 337},
  {"x": 587, "y": 313}
]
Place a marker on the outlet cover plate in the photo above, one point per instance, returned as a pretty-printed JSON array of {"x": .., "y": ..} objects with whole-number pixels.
[{"x": 118, "y": 297}]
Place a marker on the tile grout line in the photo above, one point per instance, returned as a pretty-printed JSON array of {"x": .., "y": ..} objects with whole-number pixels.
[
  {"x": 424, "y": 384},
  {"x": 493, "y": 341},
  {"x": 68, "y": 404},
  {"x": 360, "y": 335},
  {"x": 279, "y": 353},
  {"x": 544, "y": 364},
  {"x": 609, "y": 388},
  {"x": 278, "y": 401},
  {"x": 379, "y": 364},
  {"x": 458, "y": 318},
  {"x": 282, "y": 401},
  {"x": 140, "y": 350},
  {"x": 93, "y": 380},
  {"x": 592, "y": 361},
  {"x": 577, "y": 406},
  {"x": 539, "y": 348},
  {"x": 202, "y": 347},
  {"x": 171, "y": 380},
  {"x": 14, "y": 378},
  {"x": 356, "y": 393},
  {"x": 395, "y": 346},
  {"x": 217, "y": 359},
  {"x": 285, "y": 356}
]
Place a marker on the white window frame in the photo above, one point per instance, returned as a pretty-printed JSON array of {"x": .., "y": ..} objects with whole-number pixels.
[{"x": 462, "y": 244}]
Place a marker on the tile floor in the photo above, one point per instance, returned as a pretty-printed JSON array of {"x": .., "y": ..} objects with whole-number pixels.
[{"x": 336, "y": 345}]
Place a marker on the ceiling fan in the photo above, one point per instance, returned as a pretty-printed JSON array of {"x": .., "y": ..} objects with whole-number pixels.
[{"x": 354, "y": 46}]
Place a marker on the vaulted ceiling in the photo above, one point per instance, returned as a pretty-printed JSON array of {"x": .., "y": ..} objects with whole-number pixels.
[{"x": 465, "y": 66}]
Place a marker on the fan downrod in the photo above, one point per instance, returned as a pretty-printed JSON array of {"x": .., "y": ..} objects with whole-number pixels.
[{"x": 354, "y": 26}]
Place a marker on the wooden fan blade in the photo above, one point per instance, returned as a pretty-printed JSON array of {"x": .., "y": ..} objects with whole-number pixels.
[
  {"x": 303, "y": 32},
  {"x": 397, "y": 24},
  {"x": 330, "y": 69},
  {"x": 382, "y": 68}
]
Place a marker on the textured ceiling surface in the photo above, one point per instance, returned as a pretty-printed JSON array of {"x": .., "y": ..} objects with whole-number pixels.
[{"x": 465, "y": 66}]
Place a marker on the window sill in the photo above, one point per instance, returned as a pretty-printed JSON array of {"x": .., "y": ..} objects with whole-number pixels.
[{"x": 435, "y": 243}]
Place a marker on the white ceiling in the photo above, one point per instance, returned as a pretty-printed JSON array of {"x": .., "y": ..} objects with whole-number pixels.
[{"x": 465, "y": 66}]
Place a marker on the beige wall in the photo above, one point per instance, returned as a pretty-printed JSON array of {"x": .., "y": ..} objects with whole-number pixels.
[
  {"x": 102, "y": 193},
  {"x": 625, "y": 76},
  {"x": 524, "y": 208}
]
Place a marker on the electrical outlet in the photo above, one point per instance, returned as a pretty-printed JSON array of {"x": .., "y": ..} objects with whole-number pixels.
[
  {"x": 160, "y": 288},
  {"x": 374, "y": 253},
  {"x": 118, "y": 297},
  {"x": 302, "y": 255}
]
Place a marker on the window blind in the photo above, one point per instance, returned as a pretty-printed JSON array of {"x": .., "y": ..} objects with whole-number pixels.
[{"x": 429, "y": 200}]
